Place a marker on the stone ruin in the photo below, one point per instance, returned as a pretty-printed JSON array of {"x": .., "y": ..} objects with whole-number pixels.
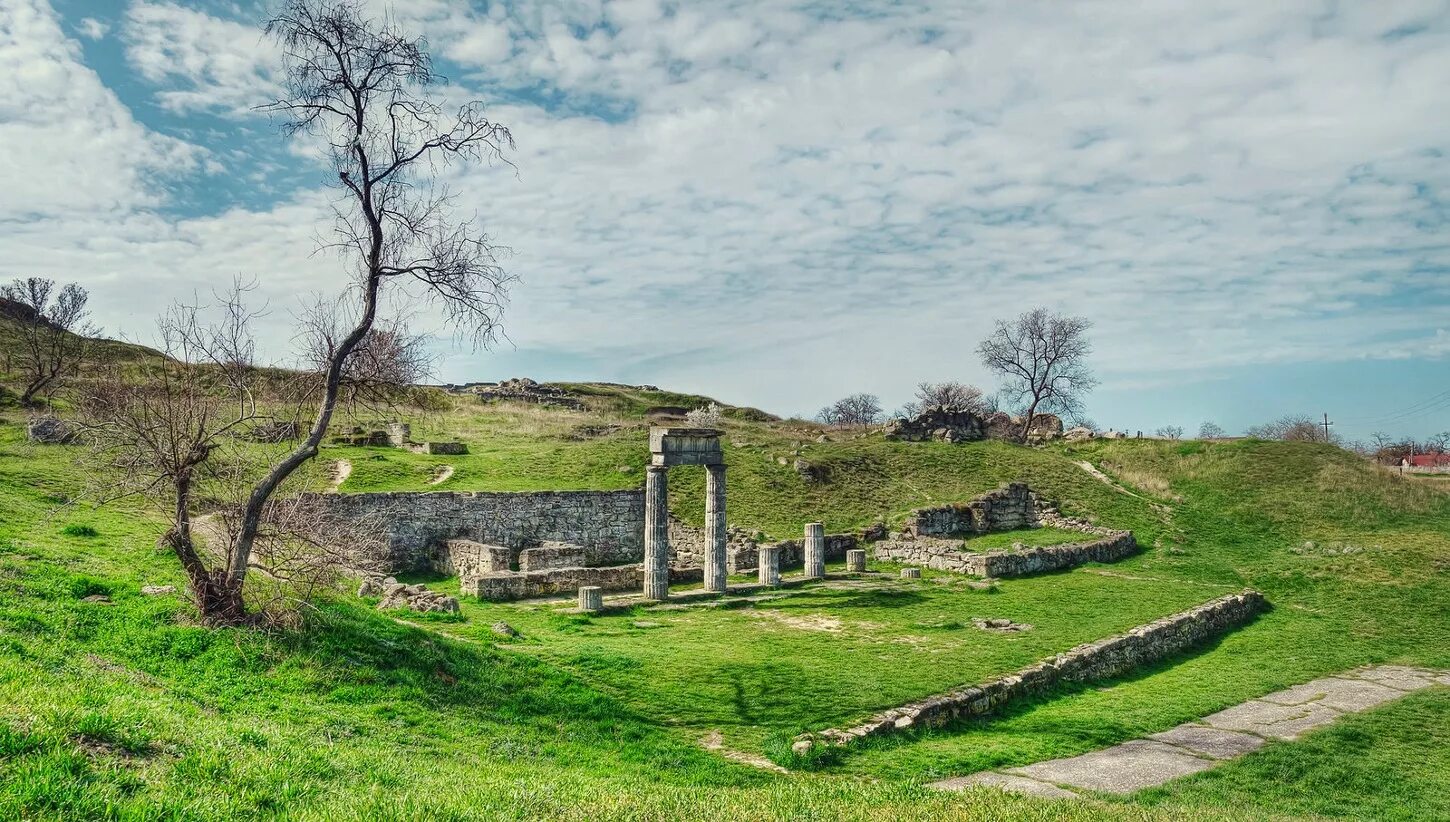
[
  {"x": 50, "y": 430},
  {"x": 934, "y": 537},
  {"x": 523, "y": 389}
]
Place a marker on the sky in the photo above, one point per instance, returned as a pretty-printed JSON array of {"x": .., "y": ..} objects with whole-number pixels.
[{"x": 780, "y": 203}]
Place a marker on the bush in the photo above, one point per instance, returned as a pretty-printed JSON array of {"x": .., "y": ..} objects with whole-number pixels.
[
  {"x": 82, "y": 587},
  {"x": 79, "y": 530},
  {"x": 706, "y": 417}
]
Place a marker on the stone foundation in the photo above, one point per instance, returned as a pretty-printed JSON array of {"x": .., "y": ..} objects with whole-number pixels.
[
  {"x": 552, "y": 555},
  {"x": 463, "y": 557},
  {"x": 1105, "y": 658},
  {"x": 503, "y": 587},
  {"x": 1005, "y": 509},
  {"x": 947, "y": 555}
]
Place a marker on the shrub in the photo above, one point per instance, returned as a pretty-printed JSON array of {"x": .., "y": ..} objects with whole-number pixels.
[
  {"x": 706, "y": 417},
  {"x": 82, "y": 587},
  {"x": 78, "y": 530}
]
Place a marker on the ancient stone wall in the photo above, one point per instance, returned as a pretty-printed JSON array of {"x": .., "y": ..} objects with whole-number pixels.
[
  {"x": 608, "y": 524},
  {"x": 1109, "y": 657},
  {"x": 947, "y": 555},
  {"x": 464, "y": 557}
]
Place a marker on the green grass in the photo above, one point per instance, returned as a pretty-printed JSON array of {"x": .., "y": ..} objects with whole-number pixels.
[
  {"x": 125, "y": 709},
  {"x": 1029, "y": 537}
]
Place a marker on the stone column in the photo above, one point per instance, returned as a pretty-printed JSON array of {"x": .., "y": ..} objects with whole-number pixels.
[
  {"x": 856, "y": 560},
  {"x": 715, "y": 528},
  {"x": 815, "y": 550},
  {"x": 656, "y": 533},
  {"x": 591, "y": 598},
  {"x": 768, "y": 558},
  {"x": 911, "y": 573}
]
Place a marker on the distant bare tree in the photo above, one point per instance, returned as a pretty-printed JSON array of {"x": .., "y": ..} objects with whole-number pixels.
[
  {"x": 53, "y": 332},
  {"x": 949, "y": 394},
  {"x": 1291, "y": 428},
  {"x": 855, "y": 411},
  {"x": 1042, "y": 359},
  {"x": 1437, "y": 443},
  {"x": 1211, "y": 431},
  {"x": 1170, "y": 432}
]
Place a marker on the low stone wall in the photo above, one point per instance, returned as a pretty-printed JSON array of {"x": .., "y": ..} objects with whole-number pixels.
[
  {"x": 947, "y": 555},
  {"x": 1109, "y": 657},
  {"x": 503, "y": 587},
  {"x": 608, "y": 524},
  {"x": 793, "y": 551},
  {"x": 1005, "y": 509}
]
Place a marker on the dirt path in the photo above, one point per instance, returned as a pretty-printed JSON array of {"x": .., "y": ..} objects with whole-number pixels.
[
  {"x": 442, "y": 476},
  {"x": 715, "y": 742},
  {"x": 1198, "y": 746},
  {"x": 341, "y": 470}
]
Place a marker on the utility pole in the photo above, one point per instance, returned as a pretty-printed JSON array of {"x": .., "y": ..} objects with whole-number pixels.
[{"x": 1327, "y": 423}]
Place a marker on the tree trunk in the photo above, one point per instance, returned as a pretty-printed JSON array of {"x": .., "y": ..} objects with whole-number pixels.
[
  {"x": 218, "y": 593},
  {"x": 1027, "y": 420}
]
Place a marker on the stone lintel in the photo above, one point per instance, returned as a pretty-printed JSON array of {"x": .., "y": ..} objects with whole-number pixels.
[{"x": 685, "y": 446}]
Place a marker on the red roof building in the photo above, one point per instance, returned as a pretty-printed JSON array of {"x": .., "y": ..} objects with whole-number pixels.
[{"x": 1428, "y": 461}]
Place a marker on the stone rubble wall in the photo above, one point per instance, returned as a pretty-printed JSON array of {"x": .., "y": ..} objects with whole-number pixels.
[
  {"x": 507, "y": 586},
  {"x": 1104, "y": 658},
  {"x": 947, "y": 555},
  {"x": 742, "y": 552},
  {"x": 608, "y": 524}
]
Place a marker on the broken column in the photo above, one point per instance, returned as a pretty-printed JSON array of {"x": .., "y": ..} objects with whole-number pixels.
[
  {"x": 715, "y": 528},
  {"x": 856, "y": 560},
  {"x": 591, "y": 598},
  {"x": 815, "y": 550},
  {"x": 768, "y": 558},
  {"x": 911, "y": 573},
  {"x": 656, "y": 533}
]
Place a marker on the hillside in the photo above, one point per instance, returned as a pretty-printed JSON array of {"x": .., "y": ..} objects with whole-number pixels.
[{"x": 125, "y": 709}]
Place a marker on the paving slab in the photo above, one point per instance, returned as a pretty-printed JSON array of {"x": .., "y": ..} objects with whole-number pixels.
[
  {"x": 1271, "y": 719},
  {"x": 1336, "y": 693},
  {"x": 1400, "y": 676},
  {"x": 1006, "y": 782},
  {"x": 1123, "y": 768},
  {"x": 1213, "y": 742}
]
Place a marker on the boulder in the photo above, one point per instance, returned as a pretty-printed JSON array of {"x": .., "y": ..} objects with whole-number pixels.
[
  {"x": 157, "y": 590},
  {"x": 1078, "y": 434},
  {"x": 50, "y": 430},
  {"x": 809, "y": 471}
]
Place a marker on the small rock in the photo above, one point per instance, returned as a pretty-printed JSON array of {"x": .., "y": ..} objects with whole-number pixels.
[
  {"x": 449, "y": 605},
  {"x": 157, "y": 590},
  {"x": 390, "y": 580},
  {"x": 369, "y": 588},
  {"x": 503, "y": 629},
  {"x": 101, "y": 599},
  {"x": 644, "y": 623},
  {"x": 999, "y": 623},
  {"x": 50, "y": 430},
  {"x": 624, "y": 469}
]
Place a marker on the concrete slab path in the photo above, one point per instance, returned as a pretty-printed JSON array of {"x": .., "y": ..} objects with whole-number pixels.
[{"x": 1198, "y": 746}]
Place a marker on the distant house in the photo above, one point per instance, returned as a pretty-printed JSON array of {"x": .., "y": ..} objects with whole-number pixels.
[{"x": 1426, "y": 463}]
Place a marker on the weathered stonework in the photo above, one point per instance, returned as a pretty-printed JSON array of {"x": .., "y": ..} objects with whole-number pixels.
[
  {"x": 445, "y": 448},
  {"x": 608, "y": 524},
  {"x": 1008, "y": 508},
  {"x": 551, "y": 555},
  {"x": 938, "y": 422},
  {"x": 1105, "y": 658},
  {"x": 463, "y": 557}
]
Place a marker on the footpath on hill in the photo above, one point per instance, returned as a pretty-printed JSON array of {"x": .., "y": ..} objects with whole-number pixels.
[{"x": 1198, "y": 746}]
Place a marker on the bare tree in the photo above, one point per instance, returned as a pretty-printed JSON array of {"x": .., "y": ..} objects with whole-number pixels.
[
  {"x": 176, "y": 439},
  {"x": 857, "y": 410},
  {"x": 363, "y": 88},
  {"x": 1291, "y": 428},
  {"x": 1170, "y": 432},
  {"x": 1211, "y": 431},
  {"x": 949, "y": 394},
  {"x": 1042, "y": 359},
  {"x": 1438, "y": 443},
  {"x": 53, "y": 332}
]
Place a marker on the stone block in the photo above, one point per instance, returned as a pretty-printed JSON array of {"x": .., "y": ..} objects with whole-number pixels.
[
  {"x": 591, "y": 598},
  {"x": 911, "y": 573},
  {"x": 551, "y": 555},
  {"x": 856, "y": 560},
  {"x": 685, "y": 446}
]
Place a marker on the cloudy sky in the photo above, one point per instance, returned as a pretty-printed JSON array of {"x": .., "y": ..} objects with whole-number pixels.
[{"x": 779, "y": 203}]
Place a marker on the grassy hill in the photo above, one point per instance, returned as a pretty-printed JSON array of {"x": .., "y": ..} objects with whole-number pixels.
[{"x": 125, "y": 709}]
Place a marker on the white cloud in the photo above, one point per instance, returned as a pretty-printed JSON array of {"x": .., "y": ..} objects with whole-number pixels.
[
  {"x": 92, "y": 28},
  {"x": 66, "y": 143},
  {"x": 797, "y": 207}
]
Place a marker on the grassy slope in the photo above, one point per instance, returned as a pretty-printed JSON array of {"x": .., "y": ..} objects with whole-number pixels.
[{"x": 358, "y": 716}]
